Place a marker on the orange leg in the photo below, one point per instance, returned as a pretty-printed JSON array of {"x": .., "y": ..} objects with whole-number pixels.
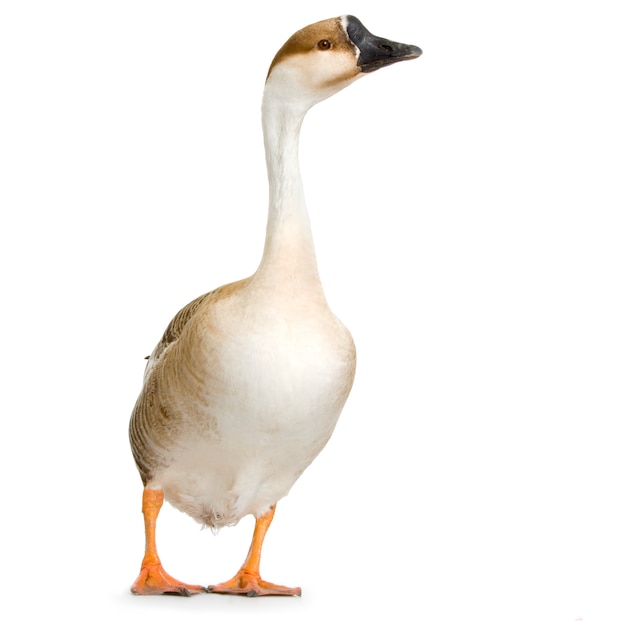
[
  {"x": 153, "y": 579},
  {"x": 248, "y": 581}
]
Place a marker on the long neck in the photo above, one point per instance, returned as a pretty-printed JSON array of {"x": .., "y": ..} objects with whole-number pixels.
[{"x": 289, "y": 252}]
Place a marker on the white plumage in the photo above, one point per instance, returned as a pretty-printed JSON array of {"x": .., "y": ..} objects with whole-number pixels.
[{"x": 248, "y": 381}]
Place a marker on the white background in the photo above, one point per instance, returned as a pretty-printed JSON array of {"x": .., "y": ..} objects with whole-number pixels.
[{"x": 469, "y": 215}]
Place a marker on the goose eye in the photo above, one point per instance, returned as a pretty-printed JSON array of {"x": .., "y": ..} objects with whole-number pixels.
[{"x": 324, "y": 44}]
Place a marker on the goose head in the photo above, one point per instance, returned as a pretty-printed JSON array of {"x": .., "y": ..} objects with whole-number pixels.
[{"x": 323, "y": 58}]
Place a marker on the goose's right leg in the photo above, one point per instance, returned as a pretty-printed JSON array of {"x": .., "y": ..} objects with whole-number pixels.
[{"x": 153, "y": 579}]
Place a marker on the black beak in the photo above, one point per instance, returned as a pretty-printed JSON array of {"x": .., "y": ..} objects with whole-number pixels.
[{"x": 376, "y": 52}]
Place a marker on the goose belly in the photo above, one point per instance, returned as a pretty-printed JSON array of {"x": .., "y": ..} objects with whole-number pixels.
[{"x": 257, "y": 411}]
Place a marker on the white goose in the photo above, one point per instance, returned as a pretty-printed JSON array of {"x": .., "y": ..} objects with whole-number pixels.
[{"x": 246, "y": 385}]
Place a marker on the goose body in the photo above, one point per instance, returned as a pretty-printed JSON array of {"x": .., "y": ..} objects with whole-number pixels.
[
  {"x": 246, "y": 385},
  {"x": 245, "y": 415}
]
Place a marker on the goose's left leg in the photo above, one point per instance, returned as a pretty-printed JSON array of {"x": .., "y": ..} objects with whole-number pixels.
[{"x": 247, "y": 581}]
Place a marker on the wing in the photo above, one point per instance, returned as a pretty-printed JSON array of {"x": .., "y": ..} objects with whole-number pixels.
[
  {"x": 150, "y": 422},
  {"x": 175, "y": 328}
]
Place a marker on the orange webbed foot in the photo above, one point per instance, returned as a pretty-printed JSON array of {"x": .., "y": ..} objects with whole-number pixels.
[
  {"x": 251, "y": 585},
  {"x": 154, "y": 580}
]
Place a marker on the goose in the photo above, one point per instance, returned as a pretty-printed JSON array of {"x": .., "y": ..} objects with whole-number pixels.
[{"x": 247, "y": 383}]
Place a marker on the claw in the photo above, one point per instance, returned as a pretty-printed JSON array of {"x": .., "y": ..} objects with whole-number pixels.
[
  {"x": 251, "y": 585},
  {"x": 154, "y": 580}
]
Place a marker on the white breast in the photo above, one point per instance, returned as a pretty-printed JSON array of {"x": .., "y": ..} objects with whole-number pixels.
[{"x": 279, "y": 378}]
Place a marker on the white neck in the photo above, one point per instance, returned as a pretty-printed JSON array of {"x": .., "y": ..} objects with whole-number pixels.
[{"x": 289, "y": 250}]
